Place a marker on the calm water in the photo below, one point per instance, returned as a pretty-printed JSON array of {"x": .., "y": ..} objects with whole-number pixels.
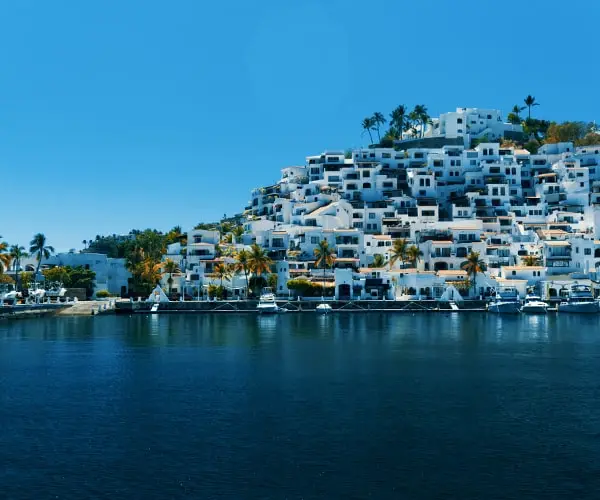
[{"x": 300, "y": 406}]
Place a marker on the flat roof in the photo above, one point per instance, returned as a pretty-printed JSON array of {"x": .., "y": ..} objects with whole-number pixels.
[{"x": 557, "y": 243}]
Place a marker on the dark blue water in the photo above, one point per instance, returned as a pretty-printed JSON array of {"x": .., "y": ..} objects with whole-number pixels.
[{"x": 299, "y": 406}]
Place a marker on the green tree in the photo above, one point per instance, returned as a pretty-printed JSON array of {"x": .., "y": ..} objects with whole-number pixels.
[
  {"x": 325, "y": 256},
  {"x": 223, "y": 272},
  {"x": 368, "y": 125},
  {"x": 378, "y": 121},
  {"x": 5, "y": 279},
  {"x": 25, "y": 279},
  {"x": 474, "y": 265},
  {"x": 421, "y": 116},
  {"x": 398, "y": 119},
  {"x": 514, "y": 116},
  {"x": 258, "y": 261},
  {"x": 378, "y": 260},
  {"x": 5, "y": 256},
  {"x": 398, "y": 252},
  {"x": 170, "y": 267},
  {"x": 17, "y": 252},
  {"x": 57, "y": 274},
  {"x": 272, "y": 281},
  {"x": 529, "y": 103},
  {"x": 40, "y": 249},
  {"x": 413, "y": 254},
  {"x": 530, "y": 260},
  {"x": 242, "y": 263}
]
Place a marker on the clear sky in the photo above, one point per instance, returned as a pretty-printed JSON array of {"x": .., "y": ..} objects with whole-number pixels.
[{"x": 126, "y": 114}]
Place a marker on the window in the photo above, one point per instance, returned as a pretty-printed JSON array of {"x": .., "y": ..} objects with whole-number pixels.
[
  {"x": 581, "y": 184},
  {"x": 428, "y": 213},
  {"x": 459, "y": 120},
  {"x": 428, "y": 182},
  {"x": 587, "y": 251},
  {"x": 514, "y": 273},
  {"x": 371, "y": 216},
  {"x": 314, "y": 240}
]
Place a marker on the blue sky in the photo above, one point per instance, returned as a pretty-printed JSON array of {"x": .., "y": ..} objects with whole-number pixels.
[{"x": 128, "y": 114}]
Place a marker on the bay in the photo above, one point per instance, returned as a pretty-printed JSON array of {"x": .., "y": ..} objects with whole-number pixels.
[{"x": 300, "y": 406}]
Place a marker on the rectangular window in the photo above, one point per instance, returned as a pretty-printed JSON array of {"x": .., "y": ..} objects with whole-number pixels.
[
  {"x": 371, "y": 216},
  {"x": 314, "y": 240},
  {"x": 587, "y": 251}
]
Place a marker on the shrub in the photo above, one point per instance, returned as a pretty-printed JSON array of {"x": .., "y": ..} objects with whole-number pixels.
[
  {"x": 102, "y": 294},
  {"x": 6, "y": 279}
]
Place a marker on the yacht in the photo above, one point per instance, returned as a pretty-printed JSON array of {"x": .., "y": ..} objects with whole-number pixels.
[
  {"x": 55, "y": 290},
  {"x": 580, "y": 299},
  {"x": 323, "y": 308},
  {"x": 36, "y": 292},
  {"x": 266, "y": 303},
  {"x": 8, "y": 295},
  {"x": 505, "y": 301},
  {"x": 534, "y": 305}
]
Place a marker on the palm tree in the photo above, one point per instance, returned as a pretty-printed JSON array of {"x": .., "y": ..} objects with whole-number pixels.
[
  {"x": 258, "y": 261},
  {"x": 422, "y": 116},
  {"x": 378, "y": 260},
  {"x": 413, "y": 120},
  {"x": 325, "y": 257},
  {"x": 474, "y": 265},
  {"x": 398, "y": 252},
  {"x": 530, "y": 260},
  {"x": 378, "y": 121},
  {"x": 516, "y": 112},
  {"x": 242, "y": 262},
  {"x": 238, "y": 232},
  {"x": 151, "y": 271},
  {"x": 169, "y": 267},
  {"x": 413, "y": 254},
  {"x": 84, "y": 242},
  {"x": 222, "y": 271},
  {"x": 397, "y": 118},
  {"x": 367, "y": 125},
  {"x": 5, "y": 258},
  {"x": 17, "y": 252},
  {"x": 529, "y": 103},
  {"x": 40, "y": 249}
]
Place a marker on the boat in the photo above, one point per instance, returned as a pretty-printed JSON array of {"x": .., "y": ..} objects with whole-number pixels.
[
  {"x": 323, "y": 308},
  {"x": 8, "y": 295},
  {"x": 55, "y": 290},
  {"x": 36, "y": 292},
  {"x": 505, "y": 301},
  {"x": 580, "y": 299},
  {"x": 266, "y": 303},
  {"x": 534, "y": 305}
]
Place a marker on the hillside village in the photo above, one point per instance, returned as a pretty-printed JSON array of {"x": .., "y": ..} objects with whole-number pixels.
[
  {"x": 531, "y": 218},
  {"x": 456, "y": 200}
]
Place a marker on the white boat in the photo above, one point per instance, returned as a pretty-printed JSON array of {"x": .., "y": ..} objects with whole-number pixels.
[
  {"x": 323, "y": 308},
  {"x": 534, "y": 305},
  {"x": 580, "y": 299},
  {"x": 55, "y": 290},
  {"x": 505, "y": 301},
  {"x": 36, "y": 292},
  {"x": 266, "y": 303},
  {"x": 8, "y": 295}
]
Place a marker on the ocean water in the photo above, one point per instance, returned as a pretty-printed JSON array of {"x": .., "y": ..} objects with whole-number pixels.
[{"x": 352, "y": 406}]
